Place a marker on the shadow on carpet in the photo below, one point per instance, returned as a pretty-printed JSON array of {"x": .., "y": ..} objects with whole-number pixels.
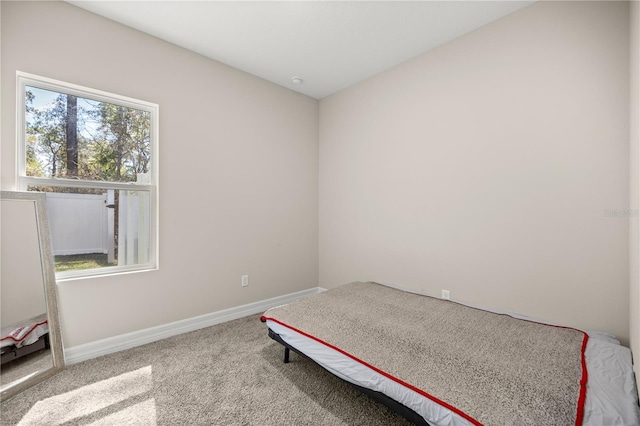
[{"x": 228, "y": 374}]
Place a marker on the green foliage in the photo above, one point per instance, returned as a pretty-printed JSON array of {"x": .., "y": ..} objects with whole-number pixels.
[
  {"x": 80, "y": 261},
  {"x": 113, "y": 141},
  {"x": 46, "y": 132},
  {"x": 34, "y": 168}
]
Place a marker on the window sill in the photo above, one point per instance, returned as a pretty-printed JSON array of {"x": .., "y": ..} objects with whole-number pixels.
[{"x": 103, "y": 272}]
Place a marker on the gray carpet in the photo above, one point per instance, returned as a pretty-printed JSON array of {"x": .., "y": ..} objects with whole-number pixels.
[
  {"x": 228, "y": 374},
  {"x": 26, "y": 365}
]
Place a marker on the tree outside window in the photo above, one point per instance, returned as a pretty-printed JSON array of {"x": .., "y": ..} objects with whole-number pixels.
[{"x": 93, "y": 154}]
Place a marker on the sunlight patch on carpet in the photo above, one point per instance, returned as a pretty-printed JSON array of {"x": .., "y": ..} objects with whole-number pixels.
[
  {"x": 143, "y": 413},
  {"x": 90, "y": 399}
]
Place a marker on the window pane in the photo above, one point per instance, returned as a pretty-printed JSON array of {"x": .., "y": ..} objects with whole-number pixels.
[
  {"x": 74, "y": 137},
  {"x": 93, "y": 228}
]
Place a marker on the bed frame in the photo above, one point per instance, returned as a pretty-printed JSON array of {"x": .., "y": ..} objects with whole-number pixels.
[
  {"x": 327, "y": 342},
  {"x": 11, "y": 353},
  {"x": 390, "y": 403}
]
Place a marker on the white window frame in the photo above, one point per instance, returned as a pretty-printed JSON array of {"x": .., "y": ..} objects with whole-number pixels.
[{"x": 24, "y": 181}]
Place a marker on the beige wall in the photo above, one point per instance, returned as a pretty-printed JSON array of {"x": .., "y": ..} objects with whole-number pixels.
[
  {"x": 485, "y": 167},
  {"x": 238, "y": 170},
  {"x": 634, "y": 317}
]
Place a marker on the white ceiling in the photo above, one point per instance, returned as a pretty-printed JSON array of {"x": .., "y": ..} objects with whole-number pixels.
[{"x": 331, "y": 45}]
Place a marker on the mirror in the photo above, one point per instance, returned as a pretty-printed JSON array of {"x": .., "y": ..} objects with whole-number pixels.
[{"x": 31, "y": 344}]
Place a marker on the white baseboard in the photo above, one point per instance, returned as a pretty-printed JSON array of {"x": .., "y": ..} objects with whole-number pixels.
[{"x": 110, "y": 345}]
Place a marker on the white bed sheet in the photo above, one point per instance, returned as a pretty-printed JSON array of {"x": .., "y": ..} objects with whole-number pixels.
[
  {"x": 25, "y": 332},
  {"x": 611, "y": 397}
]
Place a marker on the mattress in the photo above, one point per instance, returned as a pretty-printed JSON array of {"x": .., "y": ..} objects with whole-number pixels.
[
  {"x": 610, "y": 397},
  {"x": 25, "y": 332}
]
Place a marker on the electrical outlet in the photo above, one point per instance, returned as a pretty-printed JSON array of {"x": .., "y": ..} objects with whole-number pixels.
[
  {"x": 245, "y": 280},
  {"x": 446, "y": 294}
]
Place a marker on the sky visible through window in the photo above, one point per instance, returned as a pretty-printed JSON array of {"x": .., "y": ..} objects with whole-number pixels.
[
  {"x": 109, "y": 142},
  {"x": 45, "y": 100}
]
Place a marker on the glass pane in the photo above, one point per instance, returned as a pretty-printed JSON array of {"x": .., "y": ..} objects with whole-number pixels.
[
  {"x": 94, "y": 228},
  {"x": 73, "y": 137}
]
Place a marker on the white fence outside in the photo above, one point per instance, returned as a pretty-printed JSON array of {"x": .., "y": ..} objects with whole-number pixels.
[
  {"x": 78, "y": 223},
  {"x": 82, "y": 224},
  {"x": 133, "y": 228}
]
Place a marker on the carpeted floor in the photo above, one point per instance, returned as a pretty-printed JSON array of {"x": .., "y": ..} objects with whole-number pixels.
[
  {"x": 26, "y": 365},
  {"x": 228, "y": 374}
]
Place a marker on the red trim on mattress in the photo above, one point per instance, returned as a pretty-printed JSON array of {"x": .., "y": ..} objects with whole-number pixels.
[
  {"x": 26, "y": 334},
  {"x": 583, "y": 379},
  {"x": 583, "y": 383},
  {"x": 395, "y": 379},
  {"x": 582, "y": 396}
]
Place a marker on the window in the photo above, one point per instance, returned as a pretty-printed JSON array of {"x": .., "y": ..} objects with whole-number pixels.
[{"x": 95, "y": 156}]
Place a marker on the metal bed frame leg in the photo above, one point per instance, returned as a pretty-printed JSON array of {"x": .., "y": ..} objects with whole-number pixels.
[{"x": 394, "y": 405}]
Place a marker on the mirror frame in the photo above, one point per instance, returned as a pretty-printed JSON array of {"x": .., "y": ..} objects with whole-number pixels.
[{"x": 50, "y": 291}]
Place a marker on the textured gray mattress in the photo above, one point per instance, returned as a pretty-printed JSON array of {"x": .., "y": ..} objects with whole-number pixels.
[{"x": 486, "y": 368}]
